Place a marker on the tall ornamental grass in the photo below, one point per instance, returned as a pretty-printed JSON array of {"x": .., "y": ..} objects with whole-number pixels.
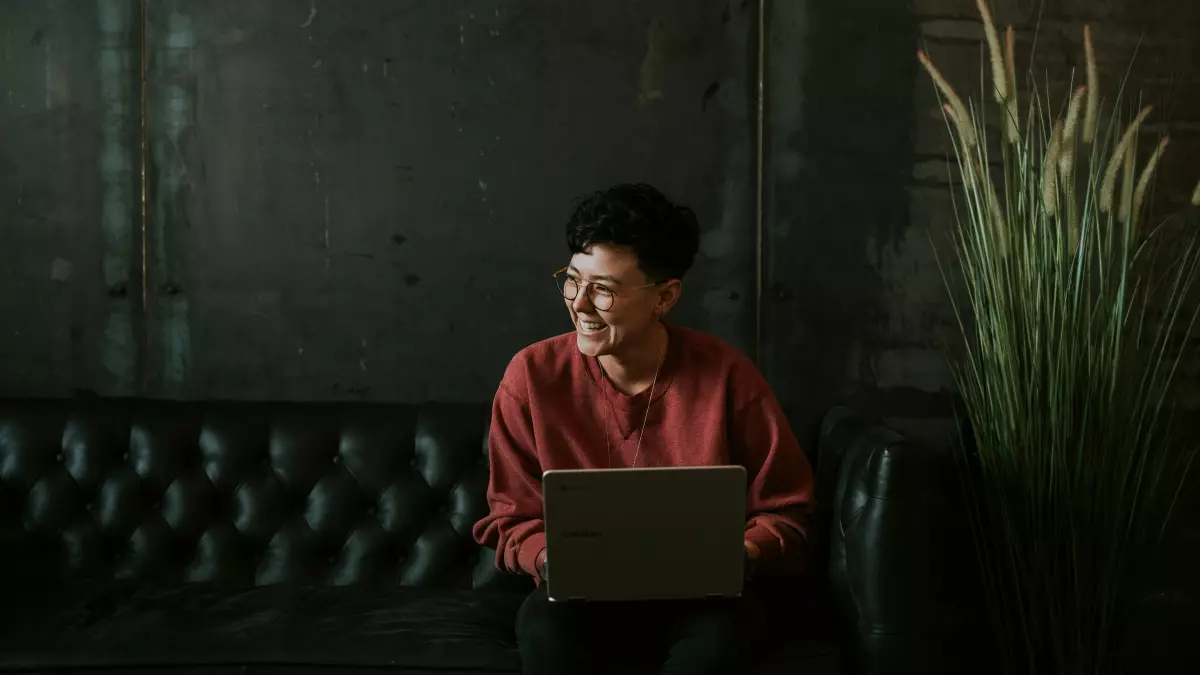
[{"x": 1073, "y": 311}]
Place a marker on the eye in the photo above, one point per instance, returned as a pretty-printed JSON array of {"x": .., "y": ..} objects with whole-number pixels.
[{"x": 602, "y": 289}]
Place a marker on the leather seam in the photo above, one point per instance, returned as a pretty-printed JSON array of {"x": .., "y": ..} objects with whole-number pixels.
[{"x": 853, "y": 516}]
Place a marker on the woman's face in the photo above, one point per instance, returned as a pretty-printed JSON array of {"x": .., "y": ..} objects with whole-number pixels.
[{"x": 608, "y": 276}]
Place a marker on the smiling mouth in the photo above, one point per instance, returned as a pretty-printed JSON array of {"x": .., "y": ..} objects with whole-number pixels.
[{"x": 591, "y": 327}]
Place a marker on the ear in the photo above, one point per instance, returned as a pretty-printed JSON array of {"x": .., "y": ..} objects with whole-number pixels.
[{"x": 668, "y": 295}]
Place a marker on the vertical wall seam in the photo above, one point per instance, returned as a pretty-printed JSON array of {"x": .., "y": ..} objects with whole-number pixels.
[
  {"x": 145, "y": 223},
  {"x": 760, "y": 121},
  {"x": 121, "y": 348}
]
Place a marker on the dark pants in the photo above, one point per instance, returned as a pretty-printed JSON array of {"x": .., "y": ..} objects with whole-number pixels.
[{"x": 693, "y": 637}]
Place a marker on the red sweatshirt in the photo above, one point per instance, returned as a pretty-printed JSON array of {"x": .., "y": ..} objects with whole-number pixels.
[{"x": 711, "y": 407}]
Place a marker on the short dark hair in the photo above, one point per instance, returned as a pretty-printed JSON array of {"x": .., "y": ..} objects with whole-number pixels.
[{"x": 664, "y": 235}]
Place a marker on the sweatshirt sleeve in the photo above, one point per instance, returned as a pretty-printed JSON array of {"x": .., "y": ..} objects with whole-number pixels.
[
  {"x": 779, "y": 499},
  {"x": 514, "y": 525}
]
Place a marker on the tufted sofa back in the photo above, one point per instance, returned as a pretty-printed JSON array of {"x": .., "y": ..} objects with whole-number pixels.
[{"x": 247, "y": 493}]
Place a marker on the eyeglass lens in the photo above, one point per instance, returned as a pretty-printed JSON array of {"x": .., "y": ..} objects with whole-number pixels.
[{"x": 599, "y": 296}]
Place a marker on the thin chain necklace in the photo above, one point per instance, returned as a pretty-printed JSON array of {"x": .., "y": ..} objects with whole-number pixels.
[{"x": 608, "y": 436}]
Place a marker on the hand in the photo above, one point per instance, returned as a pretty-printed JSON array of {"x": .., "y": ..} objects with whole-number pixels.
[{"x": 750, "y": 557}]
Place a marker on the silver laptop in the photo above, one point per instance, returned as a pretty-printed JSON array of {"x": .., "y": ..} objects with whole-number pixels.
[{"x": 644, "y": 534}]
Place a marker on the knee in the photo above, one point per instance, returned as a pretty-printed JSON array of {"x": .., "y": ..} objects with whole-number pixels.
[
  {"x": 539, "y": 626},
  {"x": 717, "y": 625},
  {"x": 534, "y": 626},
  {"x": 551, "y": 640},
  {"x": 715, "y": 635},
  {"x": 712, "y": 643}
]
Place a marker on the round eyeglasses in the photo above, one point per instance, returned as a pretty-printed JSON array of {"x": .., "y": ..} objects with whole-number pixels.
[{"x": 602, "y": 297}]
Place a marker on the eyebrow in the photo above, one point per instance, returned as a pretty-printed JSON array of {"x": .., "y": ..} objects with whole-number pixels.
[{"x": 599, "y": 277}]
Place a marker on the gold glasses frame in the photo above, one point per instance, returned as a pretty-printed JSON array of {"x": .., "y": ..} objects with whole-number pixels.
[{"x": 586, "y": 287}]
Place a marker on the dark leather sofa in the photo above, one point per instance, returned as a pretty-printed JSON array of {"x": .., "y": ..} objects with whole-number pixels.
[{"x": 189, "y": 537}]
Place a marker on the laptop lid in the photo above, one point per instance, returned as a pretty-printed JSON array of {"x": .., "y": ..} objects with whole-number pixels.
[{"x": 644, "y": 534}]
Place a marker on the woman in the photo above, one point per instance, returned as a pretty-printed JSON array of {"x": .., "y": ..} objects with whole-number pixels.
[{"x": 625, "y": 389}]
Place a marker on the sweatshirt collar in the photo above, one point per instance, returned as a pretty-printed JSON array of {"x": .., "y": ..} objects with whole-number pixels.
[{"x": 666, "y": 374}]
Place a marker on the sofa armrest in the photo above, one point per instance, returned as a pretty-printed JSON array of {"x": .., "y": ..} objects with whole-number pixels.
[{"x": 900, "y": 554}]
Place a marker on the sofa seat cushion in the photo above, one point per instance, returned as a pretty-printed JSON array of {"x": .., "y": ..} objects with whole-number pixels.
[
  {"x": 206, "y": 629},
  {"x": 144, "y": 626}
]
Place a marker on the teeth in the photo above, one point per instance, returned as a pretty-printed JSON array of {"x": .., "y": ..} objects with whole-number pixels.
[{"x": 591, "y": 325}]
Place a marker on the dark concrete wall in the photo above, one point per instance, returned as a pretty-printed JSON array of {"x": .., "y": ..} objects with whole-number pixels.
[
  {"x": 348, "y": 199},
  {"x": 363, "y": 199},
  {"x": 68, "y": 156}
]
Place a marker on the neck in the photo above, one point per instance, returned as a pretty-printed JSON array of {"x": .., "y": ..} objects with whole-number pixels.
[{"x": 633, "y": 369}]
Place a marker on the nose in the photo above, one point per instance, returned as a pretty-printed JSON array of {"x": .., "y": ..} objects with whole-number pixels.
[{"x": 582, "y": 301}]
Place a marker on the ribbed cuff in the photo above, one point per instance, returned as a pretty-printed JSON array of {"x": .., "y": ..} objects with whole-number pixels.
[{"x": 531, "y": 548}]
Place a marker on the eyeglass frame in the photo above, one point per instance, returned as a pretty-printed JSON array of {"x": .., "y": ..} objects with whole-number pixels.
[{"x": 584, "y": 285}]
